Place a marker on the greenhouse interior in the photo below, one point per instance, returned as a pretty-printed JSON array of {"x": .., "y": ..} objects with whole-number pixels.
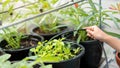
[{"x": 59, "y": 33}]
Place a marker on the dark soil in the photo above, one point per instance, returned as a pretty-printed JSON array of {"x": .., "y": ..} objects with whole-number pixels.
[{"x": 28, "y": 42}]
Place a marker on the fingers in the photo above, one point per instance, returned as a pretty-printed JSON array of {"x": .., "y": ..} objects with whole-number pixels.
[
  {"x": 90, "y": 28},
  {"x": 91, "y": 31},
  {"x": 90, "y": 35}
]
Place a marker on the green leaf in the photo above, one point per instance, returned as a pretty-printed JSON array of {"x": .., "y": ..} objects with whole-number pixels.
[
  {"x": 113, "y": 34},
  {"x": 4, "y": 57},
  {"x": 6, "y": 3},
  {"x": 10, "y": 10},
  {"x": 92, "y": 6},
  {"x": 50, "y": 59},
  {"x": 114, "y": 20},
  {"x": 56, "y": 27}
]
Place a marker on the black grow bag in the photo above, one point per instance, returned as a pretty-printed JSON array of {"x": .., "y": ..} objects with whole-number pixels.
[
  {"x": 93, "y": 51},
  {"x": 19, "y": 54},
  {"x": 71, "y": 63},
  {"x": 93, "y": 54}
]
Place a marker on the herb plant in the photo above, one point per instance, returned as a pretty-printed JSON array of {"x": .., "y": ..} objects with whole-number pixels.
[
  {"x": 49, "y": 21},
  {"x": 13, "y": 38},
  {"x": 50, "y": 24},
  {"x": 55, "y": 50}
]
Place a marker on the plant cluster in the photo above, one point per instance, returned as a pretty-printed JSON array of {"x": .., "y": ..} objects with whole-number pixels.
[
  {"x": 13, "y": 38},
  {"x": 10, "y": 13},
  {"x": 55, "y": 50},
  {"x": 50, "y": 23},
  {"x": 87, "y": 13}
]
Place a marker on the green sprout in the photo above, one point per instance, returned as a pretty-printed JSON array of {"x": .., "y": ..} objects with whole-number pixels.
[{"x": 55, "y": 50}]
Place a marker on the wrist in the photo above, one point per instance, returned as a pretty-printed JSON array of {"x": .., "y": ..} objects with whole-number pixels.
[{"x": 106, "y": 38}]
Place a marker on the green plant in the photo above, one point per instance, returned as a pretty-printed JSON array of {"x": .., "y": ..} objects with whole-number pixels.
[
  {"x": 5, "y": 63},
  {"x": 50, "y": 23},
  {"x": 12, "y": 37},
  {"x": 55, "y": 50},
  {"x": 40, "y": 6},
  {"x": 7, "y": 13},
  {"x": 83, "y": 16}
]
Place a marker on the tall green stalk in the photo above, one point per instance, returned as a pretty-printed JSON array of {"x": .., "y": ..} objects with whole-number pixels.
[{"x": 13, "y": 38}]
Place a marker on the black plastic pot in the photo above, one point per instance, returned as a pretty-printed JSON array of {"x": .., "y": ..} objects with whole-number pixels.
[
  {"x": 93, "y": 54},
  {"x": 21, "y": 53},
  {"x": 93, "y": 51},
  {"x": 49, "y": 36},
  {"x": 71, "y": 63}
]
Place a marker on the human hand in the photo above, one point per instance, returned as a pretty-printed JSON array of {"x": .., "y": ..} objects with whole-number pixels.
[{"x": 96, "y": 33}]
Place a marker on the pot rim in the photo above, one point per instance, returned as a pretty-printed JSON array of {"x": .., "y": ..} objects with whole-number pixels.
[
  {"x": 27, "y": 48},
  {"x": 42, "y": 34},
  {"x": 118, "y": 58}
]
